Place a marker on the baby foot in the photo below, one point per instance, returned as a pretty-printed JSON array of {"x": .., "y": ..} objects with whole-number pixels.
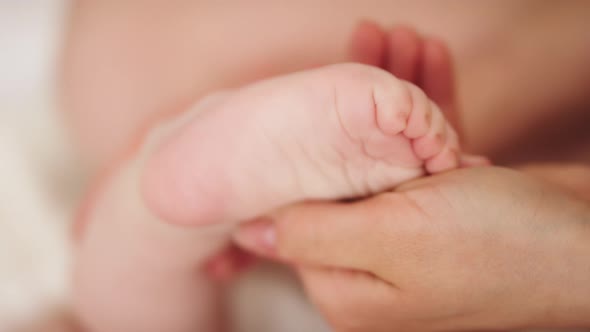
[{"x": 341, "y": 131}]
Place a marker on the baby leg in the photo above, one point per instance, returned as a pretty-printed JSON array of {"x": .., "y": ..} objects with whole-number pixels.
[{"x": 135, "y": 273}]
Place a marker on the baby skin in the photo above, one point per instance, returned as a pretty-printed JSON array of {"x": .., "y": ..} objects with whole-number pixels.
[{"x": 336, "y": 132}]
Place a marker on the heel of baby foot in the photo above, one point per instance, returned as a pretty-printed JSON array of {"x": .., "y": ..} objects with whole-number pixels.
[
  {"x": 174, "y": 185},
  {"x": 171, "y": 197}
]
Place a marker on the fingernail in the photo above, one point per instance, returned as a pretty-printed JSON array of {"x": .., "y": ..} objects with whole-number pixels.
[{"x": 258, "y": 236}]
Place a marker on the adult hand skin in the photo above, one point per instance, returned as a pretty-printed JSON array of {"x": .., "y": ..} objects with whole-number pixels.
[
  {"x": 474, "y": 249},
  {"x": 569, "y": 176}
]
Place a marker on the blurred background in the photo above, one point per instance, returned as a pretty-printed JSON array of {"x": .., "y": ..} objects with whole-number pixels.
[{"x": 34, "y": 157}]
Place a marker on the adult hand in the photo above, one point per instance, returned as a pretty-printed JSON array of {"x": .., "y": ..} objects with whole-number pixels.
[{"x": 474, "y": 249}]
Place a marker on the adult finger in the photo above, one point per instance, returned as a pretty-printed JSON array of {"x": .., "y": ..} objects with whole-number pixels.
[
  {"x": 438, "y": 81},
  {"x": 349, "y": 300},
  {"x": 229, "y": 264},
  {"x": 404, "y": 53},
  {"x": 367, "y": 44},
  {"x": 345, "y": 235}
]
